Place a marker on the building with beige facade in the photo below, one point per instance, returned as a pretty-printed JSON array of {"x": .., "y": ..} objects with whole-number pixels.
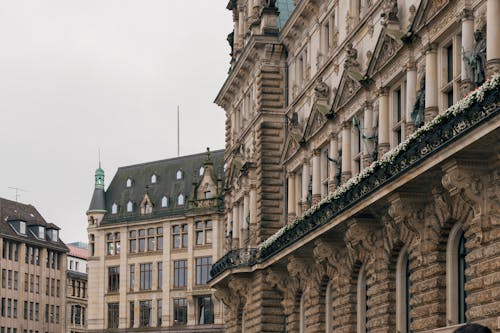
[
  {"x": 76, "y": 288},
  {"x": 362, "y": 179},
  {"x": 33, "y": 271},
  {"x": 153, "y": 236}
]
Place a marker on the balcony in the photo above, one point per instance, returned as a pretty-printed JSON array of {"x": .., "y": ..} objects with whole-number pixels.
[{"x": 234, "y": 259}]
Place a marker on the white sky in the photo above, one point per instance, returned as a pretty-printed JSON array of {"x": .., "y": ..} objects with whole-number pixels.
[{"x": 79, "y": 75}]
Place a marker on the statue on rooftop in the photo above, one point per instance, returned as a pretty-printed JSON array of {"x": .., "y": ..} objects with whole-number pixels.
[{"x": 417, "y": 115}]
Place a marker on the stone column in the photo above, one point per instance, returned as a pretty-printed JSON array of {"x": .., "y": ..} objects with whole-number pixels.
[
  {"x": 253, "y": 211},
  {"x": 305, "y": 184},
  {"x": 323, "y": 174},
  {"x": 333, "y": 153},
  {"x": 316, "y": 176},
  {"x": 246, "y": 213},
  {"x": 492, "y": 37},
  {"x": 298, "y": 190},
  {"x": 236, "y": 225},
  {"x": 236, "y": 31},
  {"x": 241, "y": 25},
  {"x": 241, "y": 221},
  {"x": 346, "y": 151},
  {"x": 411, "y": 95},
  {"x": 383, "y": 122},
  {"x": 367, "y": 144},
  {"x": 291, "y": 196},
  {"x": 431, "y": 87},
  {"x": 467, "y": 45}
]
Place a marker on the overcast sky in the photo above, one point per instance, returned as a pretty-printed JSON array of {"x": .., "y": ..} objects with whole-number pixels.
[{"x": 79, "y": 75}]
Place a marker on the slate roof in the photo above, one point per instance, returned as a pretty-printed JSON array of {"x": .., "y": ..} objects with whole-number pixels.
[
  {"x": 15, "y": 211},
  {"x": 166, "y": 185},
  {"x": 285, "y": 8}
]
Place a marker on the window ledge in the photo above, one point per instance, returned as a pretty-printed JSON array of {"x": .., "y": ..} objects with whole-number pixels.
[{"x": 447, "y": 329}]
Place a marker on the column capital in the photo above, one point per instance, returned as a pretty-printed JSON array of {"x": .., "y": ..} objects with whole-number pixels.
[
  {"x": 382, "y": 91},
  {"x": 466, "y": 14},
  {"x": 305, "y": 161},
  {"x": 368, "y": 104},
  {"x": 411, "y": 65},
  {"x": 346, "y": 124},
  {"x": 290, "y": 174},
  {"x": 334, "y": 136},
  {"x": 316, "y": 152},
  {"x": 430, "y": 48}
]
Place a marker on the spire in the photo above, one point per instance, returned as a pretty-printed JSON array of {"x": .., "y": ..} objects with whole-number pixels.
[
  {"x": 98, "y": 204},
  {"x": 208, "y": 159}
]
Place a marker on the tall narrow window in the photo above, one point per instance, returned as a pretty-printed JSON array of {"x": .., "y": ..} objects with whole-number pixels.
[
  {"x": 131, "y": 314},
  {"x": 160, "y": 275},
  {"x": 130, "y": 207},
  {"x": 159, "y": 310},
  {"x": 302, "y": 314},
  {"x": 132, "y": 277},
  {"x": 180, "y": 311},
  {"x": 456, "y": 306},
  {"x": 129, "y": 183},
  {"x": 113, "y": 278},
  {"x": 329, "y": 308},
  {"x": 145, "y": 308},
  {"x": 178, "y": 175},
  {"x": 203, "y": 266},
  {"x": 205, "y": 310},
  {"x": 113, "y": 315},
  {"x": 180, "y": 200},
  {"x": 180, "y": 273},
  {"x": 114, "y": 208},
  {"x": 164, "y": 202},
  {"x": 92, "y": 245},
  {"x": 361, "y": 304},
  {"x": 153, "y": 179},
  {"x": 403, "y": 293},
  {"x": 462, "y": 306},
  {"x": 146, "y": 276}
]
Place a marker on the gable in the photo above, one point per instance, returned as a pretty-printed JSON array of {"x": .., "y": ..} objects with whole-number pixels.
[
  {"x": 348, "y": 87},
  {"x": 427, "y": 11},
  {"x": 388, "y": 45},
  {"x": 317, "y": 119},
  {"x": 292, "y": 145}
]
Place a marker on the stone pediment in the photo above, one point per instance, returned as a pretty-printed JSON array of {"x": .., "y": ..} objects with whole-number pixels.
[
  {"x": 348, "y": 87},
  {"x": 427, "y": 11},
  {"x": 234, "y": 169},
  {"x": 317, "y": 119},
  {"x": 292, "y": 144},
  {"x": 388, "y": 45}
]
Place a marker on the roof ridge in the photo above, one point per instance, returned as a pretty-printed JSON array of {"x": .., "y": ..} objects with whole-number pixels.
[{"x": 169, "y": 159}]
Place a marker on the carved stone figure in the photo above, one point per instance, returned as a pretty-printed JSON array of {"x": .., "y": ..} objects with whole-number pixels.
[
  {"x": 321, "y": 89},
  {"x": 417, "y": 115},
  {"x": 390, "y": 12},
  {"x": 230, "y": 40},
  {"x": 352, "y": 57},
  {"x": 477, "y": 59},
  {"x": 293, "y": 121}
]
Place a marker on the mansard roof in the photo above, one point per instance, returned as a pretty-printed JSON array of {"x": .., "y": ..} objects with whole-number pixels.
[
  {"x": 16, "y": 211},
  {"x": 166, "y": 184},
  {"x": 285, "y": 7}
]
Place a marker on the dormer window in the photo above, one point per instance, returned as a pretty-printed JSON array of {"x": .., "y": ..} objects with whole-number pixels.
[
  {"x": 178, "y": 175},
  {"x": 130, "y": 207},
  {"x": 202, "y": 170},
  {"x": 164, "y": 202},
  {"x": 153, "y": 179},
  {"x": 52, "y": 235},
  {"x": 225, "y": 167},
  {"x": 129, "y": 183},
  {"x": 114, "y": 208},
  {"x": 41, "y": 232},
  {"x": 22, "y": 227},
  {"x": 180, "y": 200}
]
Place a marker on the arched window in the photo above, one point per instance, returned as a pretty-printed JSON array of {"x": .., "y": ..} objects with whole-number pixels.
[
  {"x": 361, "y": 301},
  {"x": 302, "y": 314},
  {"x": 329, "y": 308},
  {"x": 114, "y": 208},
  {"x": 164, "y": 201},
  {"x": 202, "y": 169},
  {"x": 178, "y": 174},
  {"x": 455, "y": 276},
  {"x": 130, "y": 207},
  {"x": 92, "y": 245},
  {"x": 153, "y": 179},
  {"x": 129, "y": 182},
  {"x": 180, "y": 200},
  {"x": 403, "y": 293}
]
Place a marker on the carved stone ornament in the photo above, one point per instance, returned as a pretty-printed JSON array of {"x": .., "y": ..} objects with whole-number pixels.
[
  {"x": 351, "y": 61},
  {"x": 321, "y": 89},
  {"x": 389, "y": 12},
  {"x": 360, "y": 242}
]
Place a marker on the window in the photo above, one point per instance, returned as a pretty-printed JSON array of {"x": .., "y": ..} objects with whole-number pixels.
[
  {"x": 146, "y": 276},
  {"x": 159, "y": 239},
  {"x": 201, "y": 171},
  {"x": 129, "y": 183},
  {"x": 180, "y": 311},
  {"x": 159, "y": 308},
  {"x": 132, "y": 277},
  {"x": 178, "y": 175},
  {"x": 329, "y": 308},
  {"x": 132, "y": 241},
  {"x": 398, "y": 114},
  {"x": 92, "y": 245},
  {"x": 113, "y": 278},
  {"x": 403, "y": 293},
  {"x": 145, "y": 313},
  {"x": 180, "y": 236},
  {"x": 203, "y": 266},
  {"x": 153, "y": 179},
  {"x": 114, "y": 208},
  {"x": 450, "y": 56},
  {"x": 180, "y": 200},
  {"x": 456, "y": 265},
  {"x": 361, "y": 303},
  {"x": 356, "y": 138},
  {"x": 113, "y": 243},
  {"x": 132, "y": 314},
  {"x": 203, "y": 232},
  {"x": 180, "y": 273},
  {"x": 71, "y": 264},
  {"x": 160, "y": 275},
  {"x": 130, "y": 207},
  {"x": 149, "y": 240},
  {"x": 205, "y": 310},
  {"x": 142, "y": 240},
  {"x": 164, "y": 202},
  {"x": 113, "y": 315}
]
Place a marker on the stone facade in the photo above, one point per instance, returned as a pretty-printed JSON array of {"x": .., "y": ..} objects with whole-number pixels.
[
  {"x": 32, "y": 271},
  {"x": 325, "y": 233},
  {"x": 76, "y": 288},
  {"x": 153, "y": 236}
]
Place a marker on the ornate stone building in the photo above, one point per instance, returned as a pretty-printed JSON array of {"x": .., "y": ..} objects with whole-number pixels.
[
  {"x": 32, "y": 271},
  {"x": 362, "y": 180},
  {"x": 153, "y": 235}
]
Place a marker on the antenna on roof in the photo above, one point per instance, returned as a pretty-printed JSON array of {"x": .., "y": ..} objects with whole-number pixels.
[
  {"x": 178, "y": 131},
  {"x": 17, "y": 189}
]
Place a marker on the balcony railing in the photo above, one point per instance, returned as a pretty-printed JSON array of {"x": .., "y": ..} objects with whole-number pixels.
[{"x": 234, "y": 259}]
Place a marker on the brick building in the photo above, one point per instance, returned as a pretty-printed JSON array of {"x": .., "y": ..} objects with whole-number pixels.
[
  {"x": 362, "y": 188},
  {"x": 33, "y": 271}
]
